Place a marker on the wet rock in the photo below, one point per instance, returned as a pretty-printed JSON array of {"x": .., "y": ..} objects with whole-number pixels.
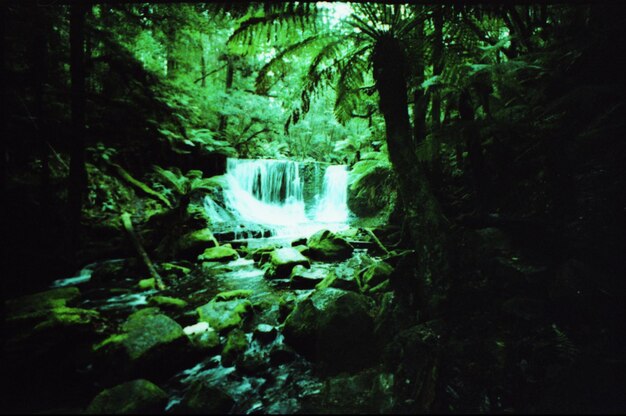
[
  {"x": 298, "y": 242},
  {"x": 265, "y": 333},
  {"x": 375, "y": 275},
  {"x": 333, "y": 327},
  {"x": 325, "y": 245},
  {"x": 252, "y": 364},
  {"x": 167, "y": 302},
  {"x": 150, "y": 342},
  {"x": 303, "y": 249},
  {"x": 41, "y": 301},
  {"x": 283, "y": 260},
  {"x": 194, "y": 243},
  {"x": 236, "y": 344},
  {"x": 137, "y": 396},
  {"x": 202, "y": 336},
  {"x": 202, "y": 398},
  {"x": 262, "y": 255},
  {"x": 223, "y": 253},
  {"x": 178, "y": 270},
  {"x": 281, "y": 354},
  {"x": 114, "y": 270},
  {"x": 234, "y": 294},
  {"x": 222, "y": 315},
  {"x": 303, "y": 278}
]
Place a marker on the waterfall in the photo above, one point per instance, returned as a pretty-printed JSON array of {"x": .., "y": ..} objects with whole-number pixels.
[
  {"x": 265, "y": 191},
  {"x": 333, "y": 205},
  {"x": 270, "y": 193}
]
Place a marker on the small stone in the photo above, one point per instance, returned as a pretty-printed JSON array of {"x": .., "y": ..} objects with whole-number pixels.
[
  {"x": 147, "y": 284},
  {"x": 137, "y": 396},
  {"x": 265, "y": 333},
  {"x": 223, "y": 253}
]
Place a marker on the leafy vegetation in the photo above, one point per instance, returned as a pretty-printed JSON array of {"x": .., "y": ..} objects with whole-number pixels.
[{"x": 455, "y": 120}]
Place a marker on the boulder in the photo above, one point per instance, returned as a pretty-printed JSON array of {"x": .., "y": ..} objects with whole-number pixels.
[
  {"x": 333, "y": 327},
  {"x": 148, "y": 341},
  {"x": 236, "y": 344},
  {"x": 202, "y": 336},
  {"x": 223, "y": 253},
  {"x": 201, "y": 398},
  {"x": 283, "y": 260},
  {"x": 193, "y": 243},
  {"x": 303, "y": 278},
  {"x": 325, "y": 245},
  {"x": 224, "y": 314},
  {"x": 132, "y": 397}
]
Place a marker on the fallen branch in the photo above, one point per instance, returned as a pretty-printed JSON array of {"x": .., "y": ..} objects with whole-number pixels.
[
  {"x": 375, "y": 240},
  {"x": 122, "y": 173},
  {"x": 143, "y": 256}
]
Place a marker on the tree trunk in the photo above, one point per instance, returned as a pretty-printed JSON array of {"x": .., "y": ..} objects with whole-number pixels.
[
  {"x": 77, "y": 177},
  {"x": 230, "y": 75},
  {"x": 172, "y": 64},
  {"x": 3, "y": 109},
  {"x": 474, "y": 150},
  {"x": 40, "y": 50},
  {"x": 436, "y": 98},
  {"x": 419, "y": 98},
  {"x": 202, "y": 65},
  {"x": 421, "y": 210}
]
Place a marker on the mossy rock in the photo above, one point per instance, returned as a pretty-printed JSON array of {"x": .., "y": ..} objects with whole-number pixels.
[
  {"x": 303, "y": 278},
  {"x": 325, "y": 245},
  {"x": 132, "y": 397},
  {"x": 167, "y": 302},
  {"x": 223, "y": 253},
  {"x": 236, "y": 344},
  {"x": 150, "y": 343},
  {"x": 41, "y": 301},
  {"x": 223, "y": 315},
  {"x": 202, "y": 336},
  {"x": 202, "y": 398},
  {"x": 147, "y": 284},
  {"x": 193, "y": 243},
  {"x": 233, "y": 294},
  {"x": 283, "y": 260},
  {"x": 333, "y": 327}
]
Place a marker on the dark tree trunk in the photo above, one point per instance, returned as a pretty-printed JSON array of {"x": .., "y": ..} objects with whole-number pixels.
[
  {"x": 3, "y": 109},
  {"x": 77, "y": 177},
  {"x": 202, "y": 66},
  {"x": 474, "y": 150},
  {"x": 436, "y": 98},
  {"x": 172, "y": 64},
  {"x": 230, "y": 75},
  {"x": 419, "y": 98},
  {"x": 40, "y": 51},
  {"x": 422, "y": 214}
]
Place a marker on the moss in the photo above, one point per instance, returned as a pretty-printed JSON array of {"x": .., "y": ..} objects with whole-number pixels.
[
  {"x": 224, "y": 314},
  {"x": 167, "y": 302},
  {"x": 147, "y": 284},
  {"x": 67, "y": 317},
  {"x": 234, "y": 294},
  {"x": 171, "y": 267},
  {"x": 114, "y": 339},
  {"x": 222, "y": 253},
  {"x": 137, "y": 396},
  {"x": 41, "y": 301},
  {"x": 236, "y": 343}
]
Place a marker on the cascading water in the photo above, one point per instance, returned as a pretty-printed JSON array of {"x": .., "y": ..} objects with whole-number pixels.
[
  {"x": 270, "y": 193},
  {"x": 333, "y": 205}
]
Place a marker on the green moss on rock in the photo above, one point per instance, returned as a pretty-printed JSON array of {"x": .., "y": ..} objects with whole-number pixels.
[
  {"x": 223, "y": 253},
  {"x": 325, "y": 245},
  {"x": 167, "y": 302},
  {"x": 223, "y": 315},
  {"x": 137, "y": 396}
]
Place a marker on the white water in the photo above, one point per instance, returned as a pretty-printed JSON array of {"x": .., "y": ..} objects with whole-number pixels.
[{"x": 270, "y": 193}]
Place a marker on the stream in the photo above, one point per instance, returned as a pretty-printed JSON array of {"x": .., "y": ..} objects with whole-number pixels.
[{"x": 287, "y": 202}]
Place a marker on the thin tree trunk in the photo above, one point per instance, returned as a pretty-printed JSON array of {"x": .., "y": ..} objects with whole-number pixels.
[
  {"x": 202, "y": 65},
  {"x": 3, "y": 110},
  {"x": 77, "y": 176},
  {"x": 141, "y": 252}
]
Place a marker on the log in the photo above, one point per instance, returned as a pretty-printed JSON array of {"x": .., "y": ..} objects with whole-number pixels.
[
  {"x": 375, "y": 240},
  {"x": 141, "y": 252},
  {"x": 123, "y": 174}
]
